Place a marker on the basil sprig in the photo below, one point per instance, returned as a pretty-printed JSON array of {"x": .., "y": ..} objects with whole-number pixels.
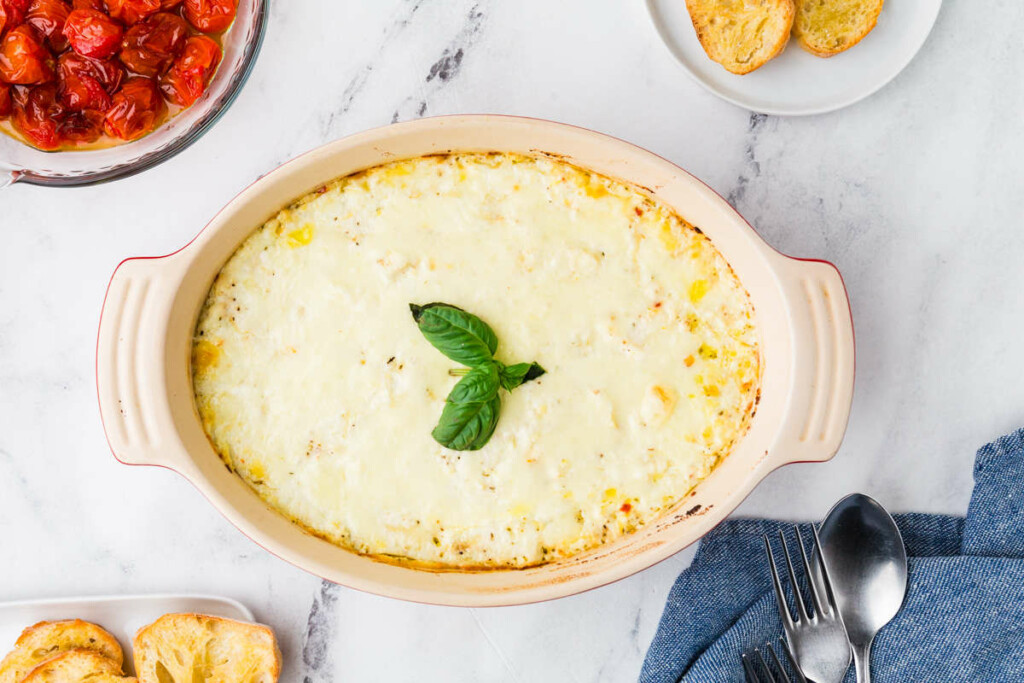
[{"x": 471, "y": 410}]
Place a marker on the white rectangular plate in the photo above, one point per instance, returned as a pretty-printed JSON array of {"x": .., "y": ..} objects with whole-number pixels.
[{"x": 122, "y": 615}]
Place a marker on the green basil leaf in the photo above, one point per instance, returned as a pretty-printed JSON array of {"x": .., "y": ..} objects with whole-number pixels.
[
  {"x": 471, "y": 410},
  {"x": 461, "y": 336},
  {"x": 513, "y": 375},
  {"x": 478, "y": 385},
  {"x": 467, "y": 426}
]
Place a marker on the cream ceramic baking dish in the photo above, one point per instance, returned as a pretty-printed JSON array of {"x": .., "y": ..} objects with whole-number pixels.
[{"x": 150, "y": 311}]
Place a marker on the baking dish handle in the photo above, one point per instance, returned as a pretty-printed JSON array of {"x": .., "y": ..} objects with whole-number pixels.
[
  {"x": 131, "y": 350},
  {"x": 821, "y": 390}
]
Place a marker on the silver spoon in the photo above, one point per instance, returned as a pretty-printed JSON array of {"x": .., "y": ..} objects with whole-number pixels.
[{"x": 867, "y": 563}]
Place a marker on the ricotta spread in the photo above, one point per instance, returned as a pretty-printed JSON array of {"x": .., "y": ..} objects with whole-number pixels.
[{"x": 315, "y": 386}]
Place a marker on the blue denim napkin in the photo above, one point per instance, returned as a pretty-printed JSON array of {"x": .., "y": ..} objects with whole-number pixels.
[{"x": 963, "y": 619}]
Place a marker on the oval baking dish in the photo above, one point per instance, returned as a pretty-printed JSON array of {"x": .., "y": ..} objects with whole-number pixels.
[{"x": 144, "y": 377}]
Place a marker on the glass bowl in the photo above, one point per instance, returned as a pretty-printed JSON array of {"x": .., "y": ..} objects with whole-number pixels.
[{"x": 24, "y": 164}]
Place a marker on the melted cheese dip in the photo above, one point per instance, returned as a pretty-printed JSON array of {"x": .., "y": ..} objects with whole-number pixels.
[{"x": 315, "y": 385}]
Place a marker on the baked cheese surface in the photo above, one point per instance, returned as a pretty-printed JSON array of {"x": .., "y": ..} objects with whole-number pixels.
[{"x": 314, "y": 384}]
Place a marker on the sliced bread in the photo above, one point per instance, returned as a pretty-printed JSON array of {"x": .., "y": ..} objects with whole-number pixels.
[
  {"x": 193, "y": 648},
  {"x": 828, "y": 27},
  {"x": 78, "y": 666},
  {"x": 46, "y": 639},
  {"x": 742, "y": 35}
]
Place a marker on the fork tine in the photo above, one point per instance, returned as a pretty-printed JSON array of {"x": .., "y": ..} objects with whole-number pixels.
[
  {"x": 792, "y": 661},
  {"x": 749, "y": 669},
  {"x": 764, "y": 666},
  {"x": 819, "y": 581},
  {"x": 801, "y": 608},
  {"x": 778, "y": 665},
  {"x": 816, "y": 597},
  {"x": 780, "y": 597},
  {"x": 829, "y": 595}
]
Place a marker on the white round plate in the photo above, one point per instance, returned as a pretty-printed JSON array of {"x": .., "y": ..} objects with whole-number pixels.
[{"x": 796, "y": 83}]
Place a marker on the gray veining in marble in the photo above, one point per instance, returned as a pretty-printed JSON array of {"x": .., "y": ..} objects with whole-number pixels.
[
  {"x": 319, "y": 638},
  {"x": 914, "y": 193}
]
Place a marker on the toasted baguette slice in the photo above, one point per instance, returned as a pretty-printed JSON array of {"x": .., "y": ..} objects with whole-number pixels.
[
  {"x": 189, "y": 648},
  {"x": 828, "y": 27},
  {"x": 78, "y": 666},
  {"x": 48, "y": 638},
  {"x": 742, "y": 35}
]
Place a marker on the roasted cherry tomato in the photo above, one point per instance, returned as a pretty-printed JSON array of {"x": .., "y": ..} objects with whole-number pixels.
[
  {"x": 12, "y": 13},
  {"x": 151, "y": 46},
  {"x": 5, "y": 101},
  {"x": 92, "y": 33},
  {"x": 168, "y": 4},
  {"x": 81, "y": 126},
  {"x": 129, "y": 12},
  {"x": 97, "y": 5},
  {"x": 48, "y": 17},
  {"x": 23, "y": 57},
  {"x": 137, "y": 109},
  {"x": 107, "y": 72},
  {"x": 188, "y": 78},
  {"x": 78, "y": 92},
  {"x": 37, "y": 115},
  {"x": 211, "y": 16}
]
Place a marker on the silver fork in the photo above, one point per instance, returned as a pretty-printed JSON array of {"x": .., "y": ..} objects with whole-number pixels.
[
  {"x": 759, "y": 670},
  {"x": 818, "y": 642}
]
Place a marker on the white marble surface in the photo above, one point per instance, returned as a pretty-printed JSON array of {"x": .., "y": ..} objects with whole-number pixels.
[{"x": 915, "y": 194}]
